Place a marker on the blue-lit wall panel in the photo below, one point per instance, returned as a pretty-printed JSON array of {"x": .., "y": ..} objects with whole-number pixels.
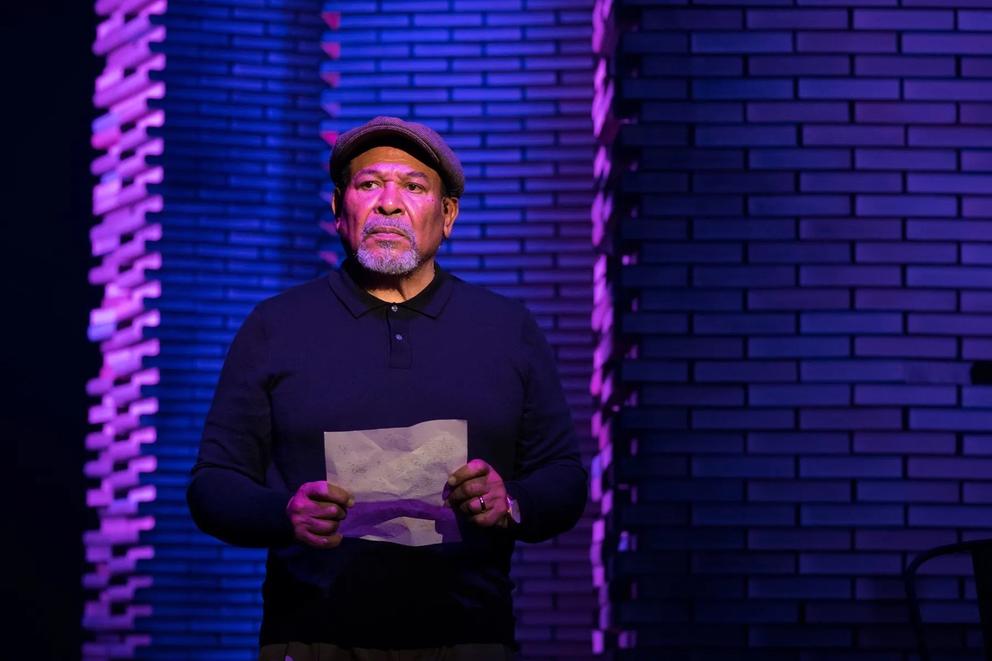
[{"x": 244, "y": 166}]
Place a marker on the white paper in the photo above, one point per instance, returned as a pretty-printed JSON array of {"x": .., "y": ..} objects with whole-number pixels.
[{"x": 397, "y": 476}]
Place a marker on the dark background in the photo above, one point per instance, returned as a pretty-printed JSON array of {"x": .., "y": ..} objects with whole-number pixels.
[{"x": 46, "y": 112}]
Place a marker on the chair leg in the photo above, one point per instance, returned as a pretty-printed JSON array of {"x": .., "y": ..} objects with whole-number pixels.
[
  {"x": 982, "y": 563},
  {"x": 915, "y": 617}
]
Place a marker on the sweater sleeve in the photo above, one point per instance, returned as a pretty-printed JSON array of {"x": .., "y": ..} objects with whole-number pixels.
[
  {"x": 227, "y": 495},
  {"x": 550, "y": 483}
]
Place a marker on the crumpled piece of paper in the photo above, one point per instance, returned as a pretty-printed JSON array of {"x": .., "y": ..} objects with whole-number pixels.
[{"x": 397, "y": 476}]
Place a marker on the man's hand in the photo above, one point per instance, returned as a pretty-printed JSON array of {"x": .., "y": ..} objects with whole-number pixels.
[
  {"x": 476, "y": 489},
  {"x": 316, "y": 510}
]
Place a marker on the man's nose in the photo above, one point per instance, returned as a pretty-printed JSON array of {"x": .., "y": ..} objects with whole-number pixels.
[{"x": 388, "y": 202}]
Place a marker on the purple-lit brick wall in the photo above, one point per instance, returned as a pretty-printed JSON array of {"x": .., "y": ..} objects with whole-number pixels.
[
  {"x": 794, "y": 229},
  {"x": 509, "y": 84},
  {"x": 209, "y": 201},
  {"x": 123, "y": 240}
]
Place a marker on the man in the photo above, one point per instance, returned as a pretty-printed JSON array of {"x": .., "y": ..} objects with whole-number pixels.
[{"x": 389, "y": 340}]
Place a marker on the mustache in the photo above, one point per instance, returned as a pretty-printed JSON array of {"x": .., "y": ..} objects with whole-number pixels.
[{"x": 379, "y": 223}]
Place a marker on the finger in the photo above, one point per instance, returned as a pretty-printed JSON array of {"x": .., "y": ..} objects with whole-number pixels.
[
  {"x": 474, "y": 468},
  {"x": 493, "y": 514},
  {"x": 327, "y": 492},
  {"x": 339, "y": 495},
  {"x": 321, "y": 527},
  {"x": 324, "y": 510},
  {"x": 489, "y": 486},
  {"x": 480, "y": 504},
  {"x": 320, "y": 541},
  {"x": 473, "y": 488},
  {"x": 471, "y": 506},
  {"x": 485, "y": 520}
]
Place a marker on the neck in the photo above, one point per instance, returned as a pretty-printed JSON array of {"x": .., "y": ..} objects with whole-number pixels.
[{"x": 395, "y": 288}]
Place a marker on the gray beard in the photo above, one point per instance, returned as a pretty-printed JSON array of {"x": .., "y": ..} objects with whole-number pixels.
[{"x": 389, "y": 263}]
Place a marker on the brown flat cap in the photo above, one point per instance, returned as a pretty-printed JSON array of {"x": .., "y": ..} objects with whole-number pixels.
[{"x": 418, "y": 140}]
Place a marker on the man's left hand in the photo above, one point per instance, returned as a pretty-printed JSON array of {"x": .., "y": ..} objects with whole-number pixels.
[{"x": 477, "y": 490}]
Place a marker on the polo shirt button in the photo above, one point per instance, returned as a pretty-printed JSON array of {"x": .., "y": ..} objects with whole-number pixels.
[
  {"x": 394, "y": 308},
  {"x": 399, "y": 337}
]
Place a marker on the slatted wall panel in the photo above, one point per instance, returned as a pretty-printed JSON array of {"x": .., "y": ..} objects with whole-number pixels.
[{"x": 124, "y": 240}]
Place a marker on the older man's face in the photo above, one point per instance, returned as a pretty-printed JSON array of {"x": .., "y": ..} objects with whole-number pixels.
[{"x": 391, "y": 212}]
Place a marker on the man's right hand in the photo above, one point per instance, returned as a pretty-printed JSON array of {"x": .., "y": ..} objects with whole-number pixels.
[{"x": 316, "y": 510}]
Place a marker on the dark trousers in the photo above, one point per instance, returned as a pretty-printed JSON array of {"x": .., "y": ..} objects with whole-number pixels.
[{"x": 327, "y": 652}]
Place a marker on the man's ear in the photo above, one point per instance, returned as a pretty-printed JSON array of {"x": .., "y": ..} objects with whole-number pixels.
[
  {"x": 337, "y": 204},
  {"x": 449, "y": 209}
]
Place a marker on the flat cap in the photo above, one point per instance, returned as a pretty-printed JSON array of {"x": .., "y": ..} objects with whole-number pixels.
[{"x": 418, "y": 140}]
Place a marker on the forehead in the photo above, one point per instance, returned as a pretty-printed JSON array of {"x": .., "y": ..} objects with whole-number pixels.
[{"x": 391, "y": 158}]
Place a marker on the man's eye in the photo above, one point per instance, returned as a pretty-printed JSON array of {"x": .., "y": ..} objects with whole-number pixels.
[
  {"x": 414, "y": 187},
  {"x": 366, "y": 185}
]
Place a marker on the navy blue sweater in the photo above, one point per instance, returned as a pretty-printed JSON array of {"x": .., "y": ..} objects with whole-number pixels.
[{"x": 328, "y": 356}]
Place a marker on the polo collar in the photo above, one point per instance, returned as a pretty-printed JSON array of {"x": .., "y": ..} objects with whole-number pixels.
[{"x": 429, "y": 302}]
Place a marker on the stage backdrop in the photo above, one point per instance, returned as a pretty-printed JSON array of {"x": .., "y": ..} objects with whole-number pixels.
[
  {"x": 790, "y": 296},
  {"x": 793, "y": 287},
  {"x": 213, "y": 195}
]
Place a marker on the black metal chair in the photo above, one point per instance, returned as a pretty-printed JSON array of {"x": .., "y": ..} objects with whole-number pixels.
[{"x": 981, "y": 559}]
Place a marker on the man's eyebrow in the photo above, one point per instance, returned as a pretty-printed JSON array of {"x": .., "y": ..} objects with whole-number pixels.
[{"x": 413, "y": 173}]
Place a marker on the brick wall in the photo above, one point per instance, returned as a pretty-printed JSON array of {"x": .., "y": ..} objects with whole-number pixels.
[
  {"x": 123, "y": 240},
  {"x": 508, "y": 83},
  {"x": 792, "y": 288},
  {"x": 224, "y": 211},
  {"x": 231, "y": 106}
]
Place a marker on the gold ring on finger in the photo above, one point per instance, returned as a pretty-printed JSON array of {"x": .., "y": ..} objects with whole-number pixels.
[{"x": 482, "y": 503}]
